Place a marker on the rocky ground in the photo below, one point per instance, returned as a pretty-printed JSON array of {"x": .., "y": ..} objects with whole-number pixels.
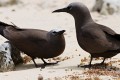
[{"x": 38, "y": 14}]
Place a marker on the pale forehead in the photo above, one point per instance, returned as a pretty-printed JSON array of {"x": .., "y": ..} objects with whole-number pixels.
[{"x": 56, "y": 30}]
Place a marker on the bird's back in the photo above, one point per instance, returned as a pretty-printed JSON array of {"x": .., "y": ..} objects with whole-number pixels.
[
  {"x": 27, "y": 40},
  {"x": 93, "y": 39},
  {"x": 34, "y": 42}
]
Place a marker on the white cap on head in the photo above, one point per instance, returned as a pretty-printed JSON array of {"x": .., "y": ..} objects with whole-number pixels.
[{"x": 57, "y": 30}]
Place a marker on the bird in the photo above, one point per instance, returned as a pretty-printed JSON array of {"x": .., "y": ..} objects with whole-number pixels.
[
  {"x": 96, "y": 39},
  {"x": 35, "y": 43}
]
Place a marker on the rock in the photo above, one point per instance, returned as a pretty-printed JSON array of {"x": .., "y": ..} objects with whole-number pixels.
[
  {"x": 107, "y": 6},
  {"x": 7, "y": 2},
  {"x": 6, "y": 62},
  {"x": 98, "y": 5},
  {"x": 15, "y": 54},
  {"x": 9, "y": 57},
  {"x": 40, "y": 77}
]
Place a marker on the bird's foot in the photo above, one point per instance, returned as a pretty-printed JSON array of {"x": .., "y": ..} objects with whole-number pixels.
[
  {"x": 50, "y": 63},
  {"x": 85, "y": 66},
  {"x": 47, "y": 64},
  {"x": 99, "y": 66},
  {"x": 102, "y": 65},
  {"x": 41, "y": 65}
]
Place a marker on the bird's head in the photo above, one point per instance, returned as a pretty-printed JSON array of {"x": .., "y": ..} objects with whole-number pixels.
[
  {"x": 75, "y": 9},
  {"x": 56, "y": 32},
  {"x": 56, "y": 35}
]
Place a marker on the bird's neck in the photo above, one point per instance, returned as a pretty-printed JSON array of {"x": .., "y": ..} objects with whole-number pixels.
[
  {"x": 54, "y": 42},
  {"x": 57, "y": 41},
  {"x": 81, "y": 20}
]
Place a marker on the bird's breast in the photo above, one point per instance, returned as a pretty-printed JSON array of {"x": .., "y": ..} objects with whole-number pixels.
[{"x": 92, "y": 44}]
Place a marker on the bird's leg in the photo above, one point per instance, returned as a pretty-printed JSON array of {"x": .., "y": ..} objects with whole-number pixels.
[
  {"x": 90, "y": 61},
  {"x": 45, "y": 63},
  {"x": 88, "y": 66},
  {"x": 103, "y": 61},
  {"x": 34, "y": 63}
]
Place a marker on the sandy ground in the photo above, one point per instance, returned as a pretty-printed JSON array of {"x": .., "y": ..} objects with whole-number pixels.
[{"x": 38, "y": 14}]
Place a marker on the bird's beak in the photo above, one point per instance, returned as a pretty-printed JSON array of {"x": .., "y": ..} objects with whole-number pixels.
[
  {"x": 61, "y": 32},
  {"x": 60, "y": 10}
]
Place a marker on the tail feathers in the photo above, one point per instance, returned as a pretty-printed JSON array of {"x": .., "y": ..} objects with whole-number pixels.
[
  {"x": 116, "y": 36},
  {"x": 4, "y": 24},
  {"x": 13, "y": 25},
  {"x": 16, "y": 26}
]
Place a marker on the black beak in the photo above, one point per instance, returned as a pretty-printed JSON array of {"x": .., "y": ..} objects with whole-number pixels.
[
  {"x": 61, "y": 32},
  {"x": 60, "y": 10}
]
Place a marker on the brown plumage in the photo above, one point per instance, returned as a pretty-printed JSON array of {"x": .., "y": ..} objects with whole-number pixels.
[
  {"x": 35, "y": 42},
  {"x": 96, "y": 39}
]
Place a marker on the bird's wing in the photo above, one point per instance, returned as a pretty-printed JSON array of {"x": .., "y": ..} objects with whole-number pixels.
[
  {"x": 110, "y": 32},
  {"x": 26, "y": 36},
  {"x": 107, "y": 30},
  {"x": 37, "y": 40}
]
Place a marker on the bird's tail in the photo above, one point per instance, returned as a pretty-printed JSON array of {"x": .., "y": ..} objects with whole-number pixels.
[
  {"x": 4, "y": 24},
  {"x": 16, "y": 27}
]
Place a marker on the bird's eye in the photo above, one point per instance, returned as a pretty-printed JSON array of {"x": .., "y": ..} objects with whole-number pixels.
[
  {"x": 54, "y": 32},
  {"x": 69, "y": 7}
]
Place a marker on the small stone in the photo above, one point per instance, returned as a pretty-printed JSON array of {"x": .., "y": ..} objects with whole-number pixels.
[{"x": 40, "y": 77}]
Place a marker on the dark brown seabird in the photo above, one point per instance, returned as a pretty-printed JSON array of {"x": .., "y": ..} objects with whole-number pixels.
[
  {"x": 96, "y": 39},
  {"x": 35, "y": 42}
]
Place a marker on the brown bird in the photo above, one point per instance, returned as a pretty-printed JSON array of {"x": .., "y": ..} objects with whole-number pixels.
[
  {"x": 34, "y": 42},
  {"x": 96, "y": 39}
]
